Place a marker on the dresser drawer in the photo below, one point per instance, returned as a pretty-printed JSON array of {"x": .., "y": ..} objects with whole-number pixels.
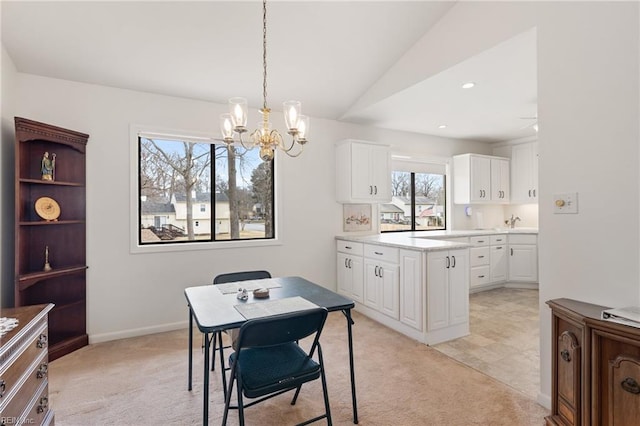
[
  {"x": 38, "y": 410},
  {"x": 480, "y": 241},
  {"x": 479, "y": 256},
  {"x": 26, "y": 386},
  {"x": 349, "y": 247},
  {"x": 479, "y": 276},
  {"x": 12, "y": 376},
  {"x": 496, "y": 240},
  {"x": 387, "y": 254}
]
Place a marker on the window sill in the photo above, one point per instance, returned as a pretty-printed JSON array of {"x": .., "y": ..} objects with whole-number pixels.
[{"x": 214, "y": 245}]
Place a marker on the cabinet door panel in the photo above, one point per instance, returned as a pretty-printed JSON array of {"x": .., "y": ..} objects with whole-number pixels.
[
  {"x": 624, "y": 391},
  {"x": 411, "y": 288},
  {"x": 569, "y": 364},
  {"x": 523, "y": 263},
  {"x": 344, "y": 275},
  {"x": 390, "y": 289},
  {"x": 361, "y": 185},
  {"x": 371, "y": 284},
  {"x": 498, "y": 263},
  {"x": 458, "y": 287},
  {"x": 357, "y": 279},
  {"x": 381, "y": 173},
  {"x": 438, "y": 286},
  {"x": 480, "y": 179}
]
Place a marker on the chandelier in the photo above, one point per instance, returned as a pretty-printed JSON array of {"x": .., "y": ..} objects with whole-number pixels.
[{"x": 264, "y": 137}]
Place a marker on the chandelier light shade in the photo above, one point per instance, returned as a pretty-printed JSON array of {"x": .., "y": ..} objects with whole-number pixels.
[{"x": 264, "y": 137}]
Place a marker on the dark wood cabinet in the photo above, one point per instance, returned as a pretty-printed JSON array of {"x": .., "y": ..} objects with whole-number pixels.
[
  {"x": 58, "y": 243},
  {"x": 595, "y": 367}
]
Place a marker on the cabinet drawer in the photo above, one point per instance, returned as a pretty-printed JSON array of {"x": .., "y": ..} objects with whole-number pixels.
[
  {"x": 479, "y": 256},
  {"x": 35, "y": 348},
  {"x": 387, "y": 254},
  {"x": 349, "y": 247},
  {"x": 29, "y": 384},
  {"x": 458, "y": 240},
  {"x": 480, "y": 241},
  {"x": 479, "y": 276},
  {"x": 523, "y": 239},
  {"x": 495, "y": 240}
]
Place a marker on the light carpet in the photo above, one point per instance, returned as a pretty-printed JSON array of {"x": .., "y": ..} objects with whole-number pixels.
[{"x": 143, "y": 381}]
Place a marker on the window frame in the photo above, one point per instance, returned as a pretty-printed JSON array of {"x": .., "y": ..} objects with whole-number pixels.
[
  {"x": 135, "y": 205},
  {"x": 446, "y": 163}
]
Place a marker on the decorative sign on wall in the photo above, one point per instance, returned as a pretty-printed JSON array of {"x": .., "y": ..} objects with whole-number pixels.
[{"x": 356, "y": 217}]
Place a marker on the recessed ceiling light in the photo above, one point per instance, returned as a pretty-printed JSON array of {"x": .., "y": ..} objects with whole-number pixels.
[
  {"x": 468, "y": 85},
  {"x": 442, "y": 126}
]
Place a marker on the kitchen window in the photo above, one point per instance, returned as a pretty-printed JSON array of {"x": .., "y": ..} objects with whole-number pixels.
[
  {"x": 419, "y": 198},
  {"x": 205, "y": 192}
]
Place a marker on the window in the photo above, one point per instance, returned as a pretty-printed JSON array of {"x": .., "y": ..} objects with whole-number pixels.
[
  {"x": 418, "y": 198},
  {"x": 192, "y": 191}
]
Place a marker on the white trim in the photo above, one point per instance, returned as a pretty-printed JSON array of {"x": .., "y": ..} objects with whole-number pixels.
[
  {"x": 136, "y": 130},
  {"x": 136, "y": 332},
  {"x": 544, "y": 400}
]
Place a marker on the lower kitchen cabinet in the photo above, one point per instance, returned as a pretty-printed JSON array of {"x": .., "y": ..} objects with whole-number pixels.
[
  {"x": 523, "y": 258},
  {"x": 381, "y": 279},
  {"x": 448, "y": 293},
  {"x": 350, "y": 270},
  {"x": 595, "y": 367}
]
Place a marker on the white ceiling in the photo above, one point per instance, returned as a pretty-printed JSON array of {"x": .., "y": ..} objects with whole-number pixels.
[{"x": 325, "y": 53}]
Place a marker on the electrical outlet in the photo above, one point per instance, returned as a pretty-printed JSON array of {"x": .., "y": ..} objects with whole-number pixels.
[{"x": 566, "y": 203}]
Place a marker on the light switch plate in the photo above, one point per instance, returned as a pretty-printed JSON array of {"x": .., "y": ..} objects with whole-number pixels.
[{"x": 566, "y": 203}]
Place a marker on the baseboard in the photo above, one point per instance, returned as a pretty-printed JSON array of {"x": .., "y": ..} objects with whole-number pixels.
[
  {"x": 135, "y": 332},
  {"x": 525, "y": 286},
  {"x": 544, "y": 400}
]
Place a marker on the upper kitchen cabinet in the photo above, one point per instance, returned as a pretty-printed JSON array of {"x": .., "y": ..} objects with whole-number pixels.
[
  {"x": 480, "y": 179},
  {"x": 363, "y": 172},
  {"x": 524, "y": 173}
]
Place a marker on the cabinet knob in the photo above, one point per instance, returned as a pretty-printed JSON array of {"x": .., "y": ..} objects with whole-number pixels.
[
  {"x": 42, "y": 341},
  {"x": 630, "y": 385},
  {"x": 3, "y": 387},
  {"x": 43, "y": 405},
  {"x": 565, "y": 355},
  {"x": 42, "y": 371}
]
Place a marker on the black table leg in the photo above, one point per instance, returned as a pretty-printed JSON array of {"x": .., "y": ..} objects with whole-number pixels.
[
  {"x": 190, "y": 347},
  {"x": 205, "y": 392},
  {"x": 347, "y": 313}
]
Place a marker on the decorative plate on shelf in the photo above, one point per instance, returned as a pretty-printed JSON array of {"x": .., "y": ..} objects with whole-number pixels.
[{"x": 47, "y": 208}]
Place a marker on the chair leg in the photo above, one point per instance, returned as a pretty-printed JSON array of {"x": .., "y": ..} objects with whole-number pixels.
[
  {"x": 213, "y": 351},
  {"x": 227, "y": 399},
  {"x": 240, "y": 403},
  {"x": 295, "y": 396},
  {"x": 324, "y": 386},
  {"x": 222, "y": 362}
]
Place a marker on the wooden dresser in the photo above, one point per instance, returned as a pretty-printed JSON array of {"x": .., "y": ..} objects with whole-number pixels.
[
  {"x": 24, "y": 397},
  {"x": 595, "y": 367}
]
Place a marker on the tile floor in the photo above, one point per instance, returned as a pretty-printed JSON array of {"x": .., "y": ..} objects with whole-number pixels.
[{"x": 505, "y": 338}]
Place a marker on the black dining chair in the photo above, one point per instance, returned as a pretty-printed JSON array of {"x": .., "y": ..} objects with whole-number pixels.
[
  {"x": 270, "y": 362},
  {"x": 216, "y": 339}
]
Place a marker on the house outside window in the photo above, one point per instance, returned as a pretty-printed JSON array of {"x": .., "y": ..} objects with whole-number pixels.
[
  {"x": 418, "y": 198},
  {"x": 192, "y": 191}
]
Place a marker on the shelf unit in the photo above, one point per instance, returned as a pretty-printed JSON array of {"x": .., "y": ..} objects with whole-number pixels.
[{"x": 65, "y": 283}]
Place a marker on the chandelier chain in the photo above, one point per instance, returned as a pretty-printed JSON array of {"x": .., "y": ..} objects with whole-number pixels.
[{"x": 264, "y": 53}]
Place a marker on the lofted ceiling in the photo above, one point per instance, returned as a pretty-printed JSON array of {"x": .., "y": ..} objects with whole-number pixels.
[{"x": 327, "y": 54}]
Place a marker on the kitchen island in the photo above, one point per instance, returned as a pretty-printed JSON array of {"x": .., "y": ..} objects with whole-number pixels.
[{"x": 418, "y": 283}]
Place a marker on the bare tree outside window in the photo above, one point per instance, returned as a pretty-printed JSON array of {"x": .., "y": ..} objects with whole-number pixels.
[{"x": 180, "y": 201}]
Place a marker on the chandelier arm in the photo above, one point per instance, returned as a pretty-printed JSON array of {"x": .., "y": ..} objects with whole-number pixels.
[
  {"x": 288, "y": 152},
  {"x": 242, "y": 142}
]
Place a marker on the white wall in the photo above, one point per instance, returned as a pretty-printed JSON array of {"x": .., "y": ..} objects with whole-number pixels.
[
  {"x": 588, "y": 107},
  {"x": 139, "y": 293},
  {"x": 7, "y": 170}
]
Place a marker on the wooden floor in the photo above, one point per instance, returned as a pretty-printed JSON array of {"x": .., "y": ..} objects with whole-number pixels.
[{"x": 505, "y": 338}]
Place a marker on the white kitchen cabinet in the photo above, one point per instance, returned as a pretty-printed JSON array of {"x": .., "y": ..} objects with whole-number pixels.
[
  {"x": 350, "y": 270},
  {"x": 524, "y": 173},
  {"x": 363, "y": 172},
  {"x": 480, "y": 179},
  {"x": 523, "y": 258},
  {"x": 411, "y": 285},
  {"x": 498, "y": 264},
  {"x": 447, "y": 289},
  {"x": 381, "y": 279}
]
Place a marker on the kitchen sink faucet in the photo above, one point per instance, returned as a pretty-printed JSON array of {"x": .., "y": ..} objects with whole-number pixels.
[{"x": 512, "y": 222}]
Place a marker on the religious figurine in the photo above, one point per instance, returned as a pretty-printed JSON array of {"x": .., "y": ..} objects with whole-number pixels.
[
  {"x": 48, "y": 166},
  {"x": 47, "y": 266}
]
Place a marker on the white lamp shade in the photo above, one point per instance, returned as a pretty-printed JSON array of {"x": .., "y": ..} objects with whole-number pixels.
[
  {"x": 238, "y": 108},
  {"x": 291, "y": 111},
  {"x": 226, "y": 126}
]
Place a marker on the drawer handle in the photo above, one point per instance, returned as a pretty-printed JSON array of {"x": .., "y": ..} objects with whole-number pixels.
[
  {"x": 480, "y": 241},
  {"x": 3, "y": 387},
  {"x": 565, "y": 355},
  {"x": 480, "y": 257},
  {"x": 42, "y": 371},
  {"x": 347, "y": 247},
  {"x": 630, "y": 385},
  {"x": 499, "y": 248},
  {"x": 378, "y": 253},
  {"x": 42, "y": 341},
  {"x": 480, "y": 276},
  {"x": 43, "y": 405}
]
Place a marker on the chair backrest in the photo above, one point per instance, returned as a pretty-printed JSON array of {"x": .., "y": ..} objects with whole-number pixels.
[
  {"x": 284, "y": 328},
  {"x": 241, "y": 276}
]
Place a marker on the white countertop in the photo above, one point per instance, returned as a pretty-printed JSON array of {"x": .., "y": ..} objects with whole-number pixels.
[{"x": 430, "y": 240}]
